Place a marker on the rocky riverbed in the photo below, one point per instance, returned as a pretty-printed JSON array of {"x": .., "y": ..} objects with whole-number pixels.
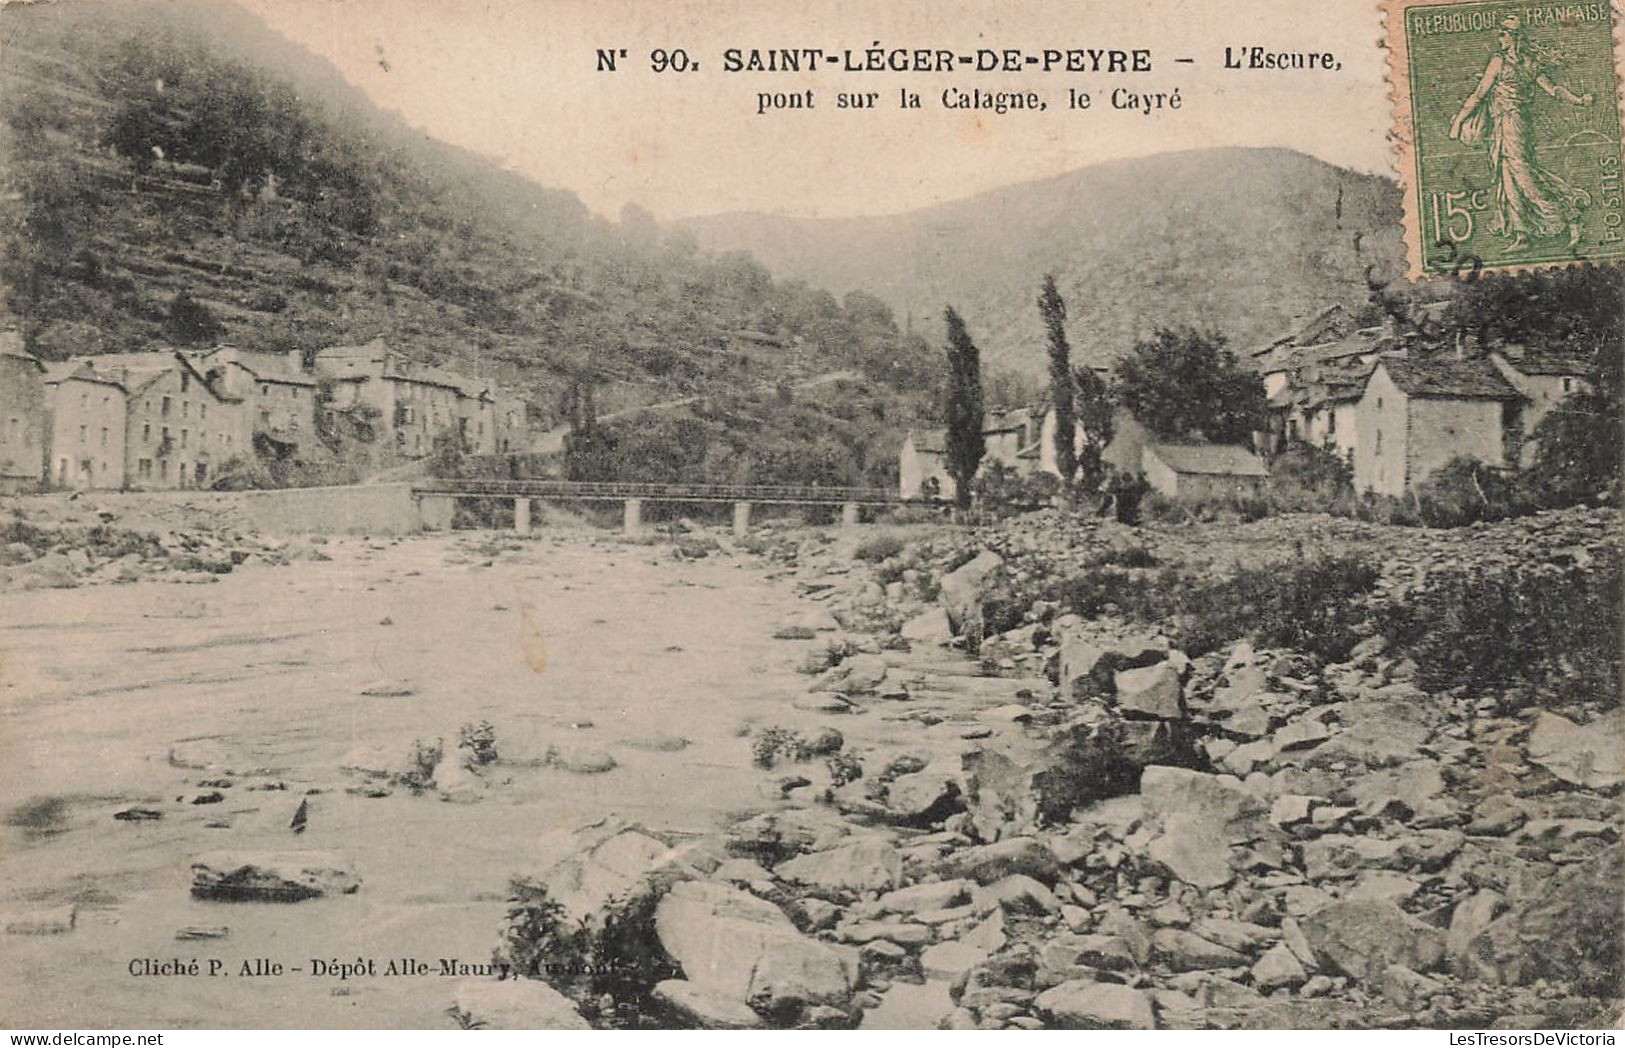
[{"x": 691, "y": 782}]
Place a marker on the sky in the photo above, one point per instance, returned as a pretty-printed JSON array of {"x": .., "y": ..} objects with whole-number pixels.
[{"x": 515, "y": 80}]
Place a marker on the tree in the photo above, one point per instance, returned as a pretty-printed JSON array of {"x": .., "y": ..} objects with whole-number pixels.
[
  {"x": 1185, "y": 385},
  {"x": 1053, "y": 309},
  {"x": 190, "y": 321},
  {"x": 1093, "y": 404},
  {"x": 1578, "y": 443},
  {"x": 964, "y": 408}
]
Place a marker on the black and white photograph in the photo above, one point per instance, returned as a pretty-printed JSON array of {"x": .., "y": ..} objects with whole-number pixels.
[{"x": 845, "y": 515}]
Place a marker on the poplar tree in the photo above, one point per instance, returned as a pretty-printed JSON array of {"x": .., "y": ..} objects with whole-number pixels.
[
  {"x": 964, "y": 408},
  {"x": 1053, "y": 309}
]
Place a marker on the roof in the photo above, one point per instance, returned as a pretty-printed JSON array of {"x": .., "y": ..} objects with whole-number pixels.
[
  {"x": 1213, "y": 459},
  {"x": 267, "y": 367},
  {"x": 1543, "y": 363},
  {"x": 929, "y": 441},
  {"x": 1449, "y": 378}
]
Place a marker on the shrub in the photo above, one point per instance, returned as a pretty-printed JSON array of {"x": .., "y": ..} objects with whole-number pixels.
[
  {"x": 1509, "y": 629},
  {"x": 879, "y": 547},
  {"x": 480, "y": 740},
  {"x": 421, "y": 761},
  {"x": 844, "y": 768},
  {"x": 1465, "y": 491},
  {"x": 1313, "y": 606},
  {"x": 774, "y": 744},
  {"x": 1307, "y": 479}
]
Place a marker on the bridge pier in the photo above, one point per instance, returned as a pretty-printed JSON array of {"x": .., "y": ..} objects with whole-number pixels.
[
  {"x": 741, "y": 519},
  {"x": 632, "y": 522},
  {"x": 850, "y": 514},
  {"x": 521, "y": 516}
]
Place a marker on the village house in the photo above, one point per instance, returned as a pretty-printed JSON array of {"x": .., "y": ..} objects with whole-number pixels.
[
  {"x": 86, "y": 424},
  {"x": 1544, "y": 380},
  {"x": 922, "y": 466},
  {"x": 415, "y": 402},
  {"x": 146, "y": 421},
  {"x": 22, "y": 417},
  {"x": 1414, "y": 415},
  {"x": 1203, "y": 471},
  {"x": 278, "y": 393}
]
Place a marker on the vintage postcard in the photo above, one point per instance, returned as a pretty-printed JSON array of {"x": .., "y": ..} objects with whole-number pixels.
[{"x": 986, "y": 515}]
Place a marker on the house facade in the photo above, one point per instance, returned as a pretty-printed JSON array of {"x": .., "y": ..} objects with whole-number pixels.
[
  {"x": 85, "y": 428},
  {"x": 415, "y": 402},
  {"x": 22, "y": 417},
  {"x": 922, "y": 466},
  {"x": 1416, "y": 415},
  {"x": 1203, "y": 471},
  {"x": 278, "y": 395}
]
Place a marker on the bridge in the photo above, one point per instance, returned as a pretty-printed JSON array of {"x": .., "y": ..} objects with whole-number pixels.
[{"x": 635, "y": 493}]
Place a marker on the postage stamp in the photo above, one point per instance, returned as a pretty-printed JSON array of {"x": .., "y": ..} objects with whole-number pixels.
[{"x": 1507, "y": 131}]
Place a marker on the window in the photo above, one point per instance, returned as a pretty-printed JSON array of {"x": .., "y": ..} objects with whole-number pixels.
[
  {"x": 165, "y": 409},
  {"x": 265, "y": 390},
  {"x": 163, "y": 468},
  {"x": 145, "y": 468},
  {"x": 186, "y": 408},
  {"x": 1568, "y": 384},
  {"x": 81, "y": 434},
  {"x": 146, "y": 431},
  {"x": 104, "y": 436},
  {"x": 184, "y": 434},
  {"x": 186, "y": 380},
  {"x": 203, "y": 410},
  {"x": 1331, "y": 422},
  {"x": 202, "y": 472},
  {"x": 1379, "y": 403},
  {"x": 1378, "y": 448}
]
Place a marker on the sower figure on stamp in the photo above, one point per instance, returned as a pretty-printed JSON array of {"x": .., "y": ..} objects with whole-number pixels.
[{"x": 1529, "y": 199}]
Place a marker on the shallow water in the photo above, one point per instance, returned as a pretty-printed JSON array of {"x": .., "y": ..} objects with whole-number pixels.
[{"x": 573, "y": 643}]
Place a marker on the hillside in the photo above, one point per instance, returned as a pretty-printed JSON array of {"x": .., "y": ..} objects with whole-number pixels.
[
  {"x": 174, "y": 172},
  {"x": 1239, "y": 240}
]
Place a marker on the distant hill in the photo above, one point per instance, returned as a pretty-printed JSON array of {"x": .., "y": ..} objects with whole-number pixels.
[{"x": 1239, "y": 240}]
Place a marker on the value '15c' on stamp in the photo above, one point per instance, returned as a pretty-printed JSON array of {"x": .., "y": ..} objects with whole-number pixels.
[{"x": 1508, "y": 123}]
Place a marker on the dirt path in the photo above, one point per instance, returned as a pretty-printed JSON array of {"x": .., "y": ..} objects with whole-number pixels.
[{"x": 579, "y": 644}]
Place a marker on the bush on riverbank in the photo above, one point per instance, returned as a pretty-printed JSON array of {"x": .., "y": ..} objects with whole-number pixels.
[{"x": 1516, "y": 630}]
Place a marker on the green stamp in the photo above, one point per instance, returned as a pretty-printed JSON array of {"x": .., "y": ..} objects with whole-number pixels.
[{"x": 1515, "y": 134}]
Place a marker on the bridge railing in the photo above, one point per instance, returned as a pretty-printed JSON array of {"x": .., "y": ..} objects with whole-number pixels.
[{"x": 590, "y": 490}]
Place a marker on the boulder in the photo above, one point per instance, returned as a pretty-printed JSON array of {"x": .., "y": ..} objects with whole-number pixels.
[
  {"x": 1567, "y": 932},
  {"x": 744, "y": 949},
  {"x": 921, "y": 898},
  {"x": 1192, "y": 850},
  {"x": 1001, "y": 792},
  {"x": 693, "y": 1005},
  {"x": 987, "y": 863},
  {"x": 514, "y": 1004},
  {"x": 1082, "y": 1004},
  {"x": 1362, "y": 938},
  {"x": 582, "y": 760},
  {"x": 1106, "y": 952},
  {"x": 1278, "y": 968},
  {"x": 863, "y": 865},
  {"x": 924, "y": 798},
  {"x": 929, "y": 627},
  {"x": 1102, "y": 755},
  {"x": 1470, "y": 917},
  {"x": 963, "y": 590},
  {"x": 1152, "y": 691},
  {"x": 271, "y": 877},
  {"x": 950, "y": 961},
  {"x": 1019, "y": 893},
  {"x": 1218, "y": 802},
  {"x": 608, "y": 860},
  {"x": 1187, "y": 952},
  {"x": 858, "y": 675},
  {"x": 1591, "y": 756}
]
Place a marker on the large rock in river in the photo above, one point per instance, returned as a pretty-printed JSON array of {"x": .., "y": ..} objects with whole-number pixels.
[{"x": 271, "y": 877}]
